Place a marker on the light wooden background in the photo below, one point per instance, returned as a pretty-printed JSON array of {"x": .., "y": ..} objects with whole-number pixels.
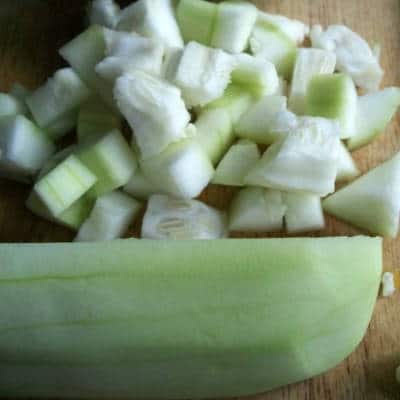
[{"x": 31, "y": 31}]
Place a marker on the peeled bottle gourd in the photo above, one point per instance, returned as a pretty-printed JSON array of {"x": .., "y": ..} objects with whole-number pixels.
[{"x": 180, "y": 319}]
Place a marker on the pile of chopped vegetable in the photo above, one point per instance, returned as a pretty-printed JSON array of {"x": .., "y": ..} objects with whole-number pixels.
[
  {"x": 212, "y": 93},
  {"x": 162, "y": 99}
]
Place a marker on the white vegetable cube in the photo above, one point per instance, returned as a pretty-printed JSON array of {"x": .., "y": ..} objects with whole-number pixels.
[
  {"x": 372, "y": 201},
  {"x": 214, "y": 132},
  {"x": 255, "y": 209},
  {"x": 346, "y": 167},
  {"x": 202, "y": 73},
  {"x": 309, "y": 62},
  {"x": 196, "y": 20},
  {"x": 269, "y": 43},
  {"x": 333, "y": 96},
  {"x": 83, "y": 53},
  {"x": 388, "y": 284},
  {"x": 266, "y": 121},
  {"x": 171, "y": 218},
  {"x": 305, "y": 160},
  {"x": 126, "y": 52},
  {"x": 182, "y": 170},
  {"x": 303, "y": 212},
  {"x": 154, "y": 109},
  {"x": 256, "y": 75},
  {"x": 354, "y": 55},
  {"x": 236, "y": 164},
  {"x": 64, "y": 185},
  {"x": 111, "y": 159},
  {"x": 24, "y": 148},
  {"x": 154, "y": 19},
  {"x": 293, "y": 29},
  {"x": 139, "y": 186},
  {"x": 95, "y": 118},
  {"x": 105, "y": 13},
  {"x": 57, "y": 97},
  {"x": 109, "y": 219},
  {"x": 233, "y": 25},
  {"x": 11, "y": 105},
  {"x": 374, "y": 112}
]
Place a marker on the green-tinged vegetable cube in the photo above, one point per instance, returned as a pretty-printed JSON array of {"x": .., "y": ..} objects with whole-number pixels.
[
  {"x": 270, "y": 44},
  {"x": 295, "y": 30},
  {"x": 333, "y": 96},
  {"x": 303, "y": 212},
  {"x": 236, "y": 164},
  {"x": 266, "y": 121},
  {"x": 196, "y": 19},
  {"x": 214, "y": 132},
  {"x": 182, "y": 170},
  {"x": 111, "y": 159},
  {"x": 60, "y": 95},
  {"x": 235, "y": 101},
  {"x": 233, "y": 25},
  {"x": 109, "y": 219},
  {"x": 72, "y": 217},
  {"x": 64, "y": 185},
  {"x": 309, "y": 63},
  {"x": 256, "y": 209},
  {"x": 256, "y": 75},
  {"x": 83, "y": 53}
]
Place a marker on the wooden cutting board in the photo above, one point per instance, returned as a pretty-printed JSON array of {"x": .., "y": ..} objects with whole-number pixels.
[{"x": 31, "y": 31}]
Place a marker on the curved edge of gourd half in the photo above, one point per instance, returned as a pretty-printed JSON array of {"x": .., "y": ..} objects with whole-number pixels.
[{"x": 250, "y": 315}]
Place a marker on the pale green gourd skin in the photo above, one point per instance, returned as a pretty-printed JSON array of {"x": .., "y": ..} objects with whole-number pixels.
[{"x": 223, "y": 318}]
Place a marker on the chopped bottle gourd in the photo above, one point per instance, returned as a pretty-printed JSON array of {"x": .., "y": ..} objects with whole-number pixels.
[
  {"x": 154, "y": 109},
  {"x": 109, "y": 219},
  {"x": 236, "y": 163},
  {"x": 171, "y": 218},
  {"x": 255, "y": 209},
  {"x": 371, "y": 202}
]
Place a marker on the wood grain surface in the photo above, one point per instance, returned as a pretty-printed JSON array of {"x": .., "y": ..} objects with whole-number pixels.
[{"x": 30, "y": 34}]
